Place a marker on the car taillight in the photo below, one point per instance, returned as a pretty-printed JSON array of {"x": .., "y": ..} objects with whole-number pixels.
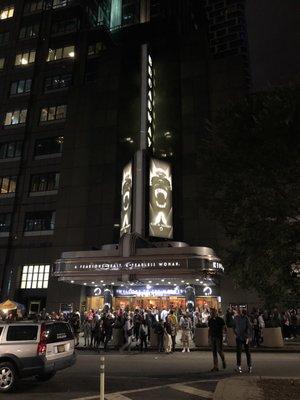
[{"x": 42, "y": 346}]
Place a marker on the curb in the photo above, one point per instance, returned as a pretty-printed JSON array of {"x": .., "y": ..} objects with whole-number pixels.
[
  {"x": 225, "y": 349},
  {"x": 243, "y": 388},
  {"x": 238, "y": 388}
]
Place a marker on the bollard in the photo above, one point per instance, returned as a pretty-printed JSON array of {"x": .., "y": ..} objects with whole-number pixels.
[{"x": 102, "y": 375}]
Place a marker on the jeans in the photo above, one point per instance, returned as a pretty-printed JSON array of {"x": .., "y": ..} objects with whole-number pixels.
[
  {"x": 217, "y": 348},
  {"x": 239, "y": 344}
]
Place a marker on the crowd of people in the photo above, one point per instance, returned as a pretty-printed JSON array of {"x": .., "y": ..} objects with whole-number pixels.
[
  {"x": 165, "y": 328},
  {"x": 133, "y": 329}
]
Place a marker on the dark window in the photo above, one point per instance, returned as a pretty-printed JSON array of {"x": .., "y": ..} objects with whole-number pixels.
[
  {"x": 40, "y": 221},
  {"x": 65, "y": 26},
  {"x": 22, "y": 332},
  {"x": 52, "y": 145},
  {"x": 22, "y": 86},
  {"x": 130, "y": 12},
  {"x": 44, "y": 182},
  {"x": 8, "y": 184},
  {"x": 60, "y": 3},
  {"x": 58, "y": 332},
  {"x": 5, "y": 220},
  {"x": 29, "y": 31},
  {"x": 58, "y": 82},
  {"x": 34, "y": 5},
  {"x": 96, "y": 48},
  {"x": 10, "y": 150},
  {"x": 4, "y": 38}
]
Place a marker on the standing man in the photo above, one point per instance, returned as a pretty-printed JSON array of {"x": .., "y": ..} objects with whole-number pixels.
[
  {"x": 243, "y": 330},
  {"x": 216, "y": 327}
]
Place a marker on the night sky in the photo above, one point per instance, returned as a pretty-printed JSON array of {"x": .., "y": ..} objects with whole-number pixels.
[{"x": 274, "y": 41}]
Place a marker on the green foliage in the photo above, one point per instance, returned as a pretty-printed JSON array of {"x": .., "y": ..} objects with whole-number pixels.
[{"x": 251, "y": 159}]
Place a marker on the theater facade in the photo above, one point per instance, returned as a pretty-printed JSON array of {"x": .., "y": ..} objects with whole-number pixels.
[{"x": 139, "y": 274}]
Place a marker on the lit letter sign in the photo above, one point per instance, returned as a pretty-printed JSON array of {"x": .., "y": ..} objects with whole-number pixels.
[
  {"x": 161, "y": 210},
  {"x": 150, "y": 101},
  {"x": 97, "y": 291},
  {"x": 126, "y": 195},
  {"x": 207, "y": 291}
]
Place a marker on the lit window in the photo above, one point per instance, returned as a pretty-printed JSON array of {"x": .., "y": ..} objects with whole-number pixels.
[
  {"x": 8, "y": 184},
  {"x": 2, "y": 61},
  {"x": 61, "y": 53},
  {"x": 7, "y": 12},
  {"x": 25, "y": 58},
  {"x": 17, "y": 117},
  {"x": 54, "y": 113},
  {"x": 35, "y": 276}
]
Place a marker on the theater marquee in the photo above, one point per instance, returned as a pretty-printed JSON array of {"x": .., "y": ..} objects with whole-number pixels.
[{"x": 117, "y": 266}]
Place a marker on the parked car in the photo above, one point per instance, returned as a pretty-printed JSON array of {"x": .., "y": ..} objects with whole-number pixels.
[{"x": 34, "y": 349}]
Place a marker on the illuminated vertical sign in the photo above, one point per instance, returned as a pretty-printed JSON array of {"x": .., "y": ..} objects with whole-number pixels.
[
  {"x": 160, "y": 207},
  {"x": 150, "y": 101},
  {"x": 115, "y": 14},
  {"x": 126, "y": 200}
]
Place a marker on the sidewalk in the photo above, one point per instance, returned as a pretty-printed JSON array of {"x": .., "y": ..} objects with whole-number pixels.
[
  {"x": 289, "y": 347},
  {"x": 258, "y": 388}
]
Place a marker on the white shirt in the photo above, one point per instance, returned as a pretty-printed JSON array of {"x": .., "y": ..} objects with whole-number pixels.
[{"x": 164, "y": 315}]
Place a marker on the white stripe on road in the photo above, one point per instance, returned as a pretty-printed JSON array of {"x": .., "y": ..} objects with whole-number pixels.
[
  {"x": 191, "y": 390},
  {"x": 116, "y": 396},
  {"x": 150, "y": 388}
]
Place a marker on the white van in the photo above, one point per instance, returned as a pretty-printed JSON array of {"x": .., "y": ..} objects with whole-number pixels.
[{"x": 34, "y": 349}]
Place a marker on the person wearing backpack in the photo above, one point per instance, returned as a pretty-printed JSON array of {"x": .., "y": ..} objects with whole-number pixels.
[
  {"x": 172, "y": 320},
  {"x": 143, "y": 335}
]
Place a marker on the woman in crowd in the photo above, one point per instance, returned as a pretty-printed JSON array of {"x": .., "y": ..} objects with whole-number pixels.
[{"x": 186, "y": 327}]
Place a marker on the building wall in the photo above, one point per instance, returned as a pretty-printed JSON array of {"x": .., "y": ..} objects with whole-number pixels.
[{"x": 194, "y": 77}]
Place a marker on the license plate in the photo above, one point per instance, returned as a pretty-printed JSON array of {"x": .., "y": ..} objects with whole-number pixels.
[{"x": 61, "y": 348}]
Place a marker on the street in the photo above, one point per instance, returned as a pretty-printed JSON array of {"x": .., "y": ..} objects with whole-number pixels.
[{"x": 133, "y": 372}]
